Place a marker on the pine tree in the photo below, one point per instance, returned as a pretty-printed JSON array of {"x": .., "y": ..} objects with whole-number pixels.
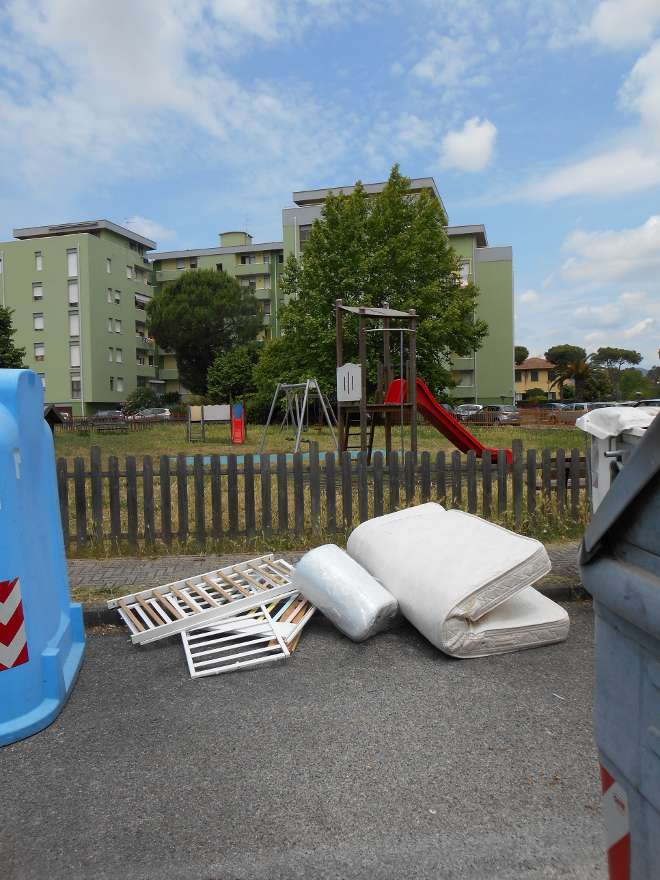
[{"x": 11, "y": 357}]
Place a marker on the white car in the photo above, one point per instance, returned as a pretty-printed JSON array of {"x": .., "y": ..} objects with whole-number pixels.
[{"x": 465, "y": 410}]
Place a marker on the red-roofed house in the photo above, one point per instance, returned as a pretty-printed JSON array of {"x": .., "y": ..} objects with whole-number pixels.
[{"x": 536, "y": 372}]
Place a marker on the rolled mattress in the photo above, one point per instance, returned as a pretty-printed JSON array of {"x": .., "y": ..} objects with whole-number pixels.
[
  {"x": 450, "y": 570},
  {"x": 344, "y": 592}
]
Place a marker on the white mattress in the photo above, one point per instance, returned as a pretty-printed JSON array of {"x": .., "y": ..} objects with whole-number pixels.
[
  {"x": 344, "y": 592},
  {"x": 449, "y": 569}
]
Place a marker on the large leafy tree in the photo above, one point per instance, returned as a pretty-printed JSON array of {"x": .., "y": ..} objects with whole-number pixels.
[
  {"x": 10, "y": 355},
  {"x": 613, "y": 360},
  {"x": 635, "y": 383},
  {"x": 560, "y": 355},
  {"x": 198, "y": 316},
  {"x": 367, "y": 250},
  {"x": 230, "y": 375},
  {"x": 520, "y": 354},
  {"x": 579, "y": 371}
]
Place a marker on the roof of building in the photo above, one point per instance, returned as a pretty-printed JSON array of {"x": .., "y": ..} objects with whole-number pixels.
[
  {"x": 82, "y": 226},
  {"x": 311, "y": 196},
  {"x": 477, "y": 229},
  {"x": 535, "y": 363},
  {"x": 228, "y": 249}
]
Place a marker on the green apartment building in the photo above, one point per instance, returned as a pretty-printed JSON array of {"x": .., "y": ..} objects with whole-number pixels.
[
  {"x": 79, "y": 292},
  {"x": 487, "y": 375}
]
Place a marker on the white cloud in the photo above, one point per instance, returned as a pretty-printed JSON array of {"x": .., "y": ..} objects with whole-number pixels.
[
  {"x": 150, "y": 228},
  {"x": 641, "y": 90},
  {"x": 623, "y": 24},
  {"x": 471, "y": 147},
  {"x": 529, "y": 296},
  {"x": 614, "y": 255},
  {"x": 607, "y": 315},
  {"x": 447, "y": 63},
  {"x": 639, "y": 329}
]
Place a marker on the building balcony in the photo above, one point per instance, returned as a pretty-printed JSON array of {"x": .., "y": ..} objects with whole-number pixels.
[
  {"x": 168, "y": 374},
  {"x": 168, "y": 274},
  {"x": 241, "y": 270}
]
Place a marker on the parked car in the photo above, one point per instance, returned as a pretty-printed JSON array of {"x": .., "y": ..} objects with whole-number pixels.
[
  {"x": 108, "y": 415},
  {"x": 449, "y": 408},
  {"x": 553, "y": 404},
  {"x": 581, "y": 407},
  {"x": 496, "y": 414},
  {"x": 153, "y": 414},
  {"x": 465, "y": 410},
  {"x": 653, "y": 401}
]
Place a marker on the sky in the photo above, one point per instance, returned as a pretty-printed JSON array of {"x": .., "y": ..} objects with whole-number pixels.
[{"x": 538, "y": 118}]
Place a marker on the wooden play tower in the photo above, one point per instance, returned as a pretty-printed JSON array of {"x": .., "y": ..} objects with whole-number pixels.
[{"x": 395, "y": 402}]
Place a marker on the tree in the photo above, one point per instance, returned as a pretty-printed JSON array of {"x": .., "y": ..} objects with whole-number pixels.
[
  {"x": 520, "y": 354},
  {"x": 560, "y": 355},
  {"x": 141, "y": 398},
  {"x": 11, "y": 357},
  {"x": 230, "y": 375},
  {"x": 536, "y": 394},
  {"x": 578, "y": 371},
  {"x": 613, "y": 360},
  {"x": 391, "y": 247},
  {"x": 634, "y": 383},
  {"x": 597, "y": 385},
  {"x": 198, "y": 316},
  {"x": 653, "y": 376}
]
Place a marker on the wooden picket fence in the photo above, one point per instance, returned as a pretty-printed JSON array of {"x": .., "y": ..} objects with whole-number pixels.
[{"x": 200, "y": 501}]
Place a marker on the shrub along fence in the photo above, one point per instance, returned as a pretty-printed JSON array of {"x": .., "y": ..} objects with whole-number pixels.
[{"x": 204, "y": 502}]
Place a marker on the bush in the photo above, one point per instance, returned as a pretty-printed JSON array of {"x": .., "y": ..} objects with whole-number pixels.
[
  {"x": 536, "y": 394},
  {"x": 141, "y": 398}
]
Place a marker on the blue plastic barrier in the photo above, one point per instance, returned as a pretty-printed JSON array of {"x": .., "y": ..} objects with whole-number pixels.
[{"x": 42, "y": 636}]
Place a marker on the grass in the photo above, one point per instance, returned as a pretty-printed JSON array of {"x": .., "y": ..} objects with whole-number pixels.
[{"x": 170, "y": 439}]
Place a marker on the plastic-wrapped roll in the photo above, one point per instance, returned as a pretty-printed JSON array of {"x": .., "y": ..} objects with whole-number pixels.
[{"x": 344, "y": 592}]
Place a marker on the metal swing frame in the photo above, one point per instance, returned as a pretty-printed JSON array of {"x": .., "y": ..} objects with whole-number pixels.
[{"x": 297, "y": 397}]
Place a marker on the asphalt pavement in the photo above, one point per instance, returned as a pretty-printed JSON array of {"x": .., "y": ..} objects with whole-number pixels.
[{"x": 379, "y": 760}]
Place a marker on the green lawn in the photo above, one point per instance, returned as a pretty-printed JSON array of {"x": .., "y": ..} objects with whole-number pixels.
[{"x": 170, "y": 439}]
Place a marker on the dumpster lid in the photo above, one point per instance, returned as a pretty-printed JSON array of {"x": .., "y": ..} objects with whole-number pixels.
[
  {"x": 641, "y": 468},
  {"x": 610, "y": 421}
]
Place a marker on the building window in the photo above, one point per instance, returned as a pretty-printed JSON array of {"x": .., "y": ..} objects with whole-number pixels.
[
  {"x": 42, "y": 376},
  {"x": 74, "y": 355},
  {"x": 112, "y": 383},
  {"x": 552, "y": 375},
  {"x": 465, "y": 379},
  {"x": 248, "y": 259},
  {"x": 141, "y": 302},
  {"x": 117, "y": 325},
  {"x": 464, "y": 273},
  {"x": 111, "y": 354},
  {"x": 119, "y": 356},
  {"x": 193, "y": 262},
  {"x": 280, "y": 258},
  {"x": 180, "y": 263},
  {"x": 266, "y": 282},
  {"x": 109, "y": 296},
  {"x": 73, "y": 293},
  {"x": 303, "y": 235},
  {"x": 120, "y": 383},
  {"x": 1, "y": 266},
  {"x": 74, "y": 324},
  {"x": 72, "y": 262},
  {"x": 129, "y": 271},
  {"x": 518, "y": 375},
  {"x": 139, "y": 357},
  {"x": 117, "y": 297},
  {"x": 534, "y": 375},
  {"x": 266, "y": 306},
  {"x": 108, "y": 265},
  {"x": 37, "y": 290},
  {"x": 39, "y": 351},
  {"x": 109, "y": 325},
  {"x": 218, "y": 267},
  {"x": 75, "y": 387},
  {"x": 38, "y": 321},
  {"x": 267, "y": 259},
  {"x": 38, "y": 261}
]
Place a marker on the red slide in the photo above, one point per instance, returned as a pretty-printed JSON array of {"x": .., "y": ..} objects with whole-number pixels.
[{"x": 443, "y": 421}]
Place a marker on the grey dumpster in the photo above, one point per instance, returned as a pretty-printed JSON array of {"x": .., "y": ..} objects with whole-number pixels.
[{"x": 620, "y": 567}]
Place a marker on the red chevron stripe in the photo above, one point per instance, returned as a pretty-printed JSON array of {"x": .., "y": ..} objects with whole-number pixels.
[
  {"x": 22, "y": 658},
  {"x": 5, "y": 589},
  {"x": 9, "y": 629}
]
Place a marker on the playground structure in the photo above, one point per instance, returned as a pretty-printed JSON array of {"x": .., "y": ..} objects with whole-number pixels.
[
  {"x": 200, "y": 416},
  {"x": 297, "y": 397},
  {"x": 405, "y": 395}
]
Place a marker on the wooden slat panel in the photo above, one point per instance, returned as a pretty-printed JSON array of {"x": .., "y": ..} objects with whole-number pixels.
[
  {"x": 63, "y": 492},
  {"x": 266, "y": 501},
  {"x": 298, "y": 493},
  {"x": 501, "y": 481},
  {"x": 546, "y": 473},
  {"x": 330, "y": 492},
  {"x": 97, "y": 492},
  {"x": 216, "y": 498},
  {"x": 486, "y": 485},
  {"x": 314, "y": 487},
  {"x": 362, "y": 487},
  {"x": 248, "y": 490},
  {"x": 148, "y": 500},
  {"x": 232, "y": 493},
  {"x": 182, "y": 496},
  {"x": 425, "y": 476},
  {"x": 165, "y": 501},
  {"x": 394, "y": 481},
  {"x": 198, "y": 487},
  {"x": 441, "y": 478},
  {"x": 561, "y": 480},
  {"x": 80, "y": 499},
  {"x": 456, "y": 480},
  {"x": 575, "y": 482},
  {"x": 346, "y": 490},
  {"x": 531, "y": 480},
  {"x": 409, "y": 476},
  {"x": 378, "y": 483},
  {"x": 471, "y": 468},
  {"x": 517, "y": 471},
  {"x": 131, "y": 500},
  {"x": 282, "y": 494},
  {"x": 113, "y": 499}
]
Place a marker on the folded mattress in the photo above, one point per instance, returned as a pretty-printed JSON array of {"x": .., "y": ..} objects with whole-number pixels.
[
  {"x": 449, "y": 570},
  {"x": 344, "y": 592}
]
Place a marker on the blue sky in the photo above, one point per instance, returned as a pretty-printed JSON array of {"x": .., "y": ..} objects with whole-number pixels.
[{"x": 539, "y": 118}]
